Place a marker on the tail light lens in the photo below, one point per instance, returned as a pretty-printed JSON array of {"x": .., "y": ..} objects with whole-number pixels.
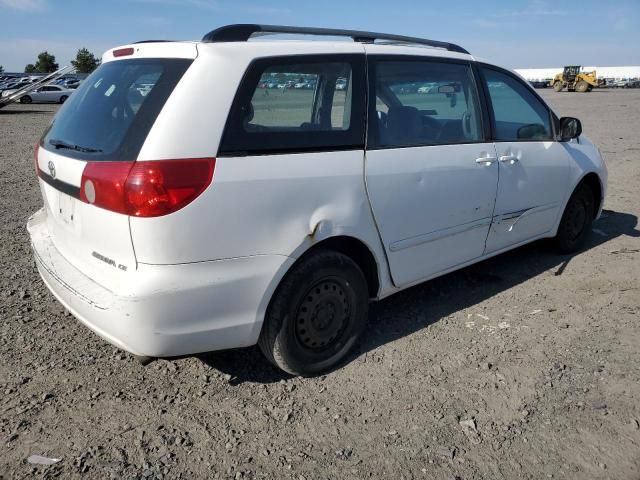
[
  {"x": 103, "y": 185},
  {"x": 147, "y": 188}
]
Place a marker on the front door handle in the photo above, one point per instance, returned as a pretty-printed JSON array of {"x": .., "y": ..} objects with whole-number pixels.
[
  {"x": 508, "y": 158},
  {"x": 486, "y": 160}
]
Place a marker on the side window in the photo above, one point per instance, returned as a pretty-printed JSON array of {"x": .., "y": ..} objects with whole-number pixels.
[
  {"x": 518, "y": 114},
  {"x": 285, "y": 97},
  {"x": 299, "y": 103},
  {"x": 424, "y": 103}
]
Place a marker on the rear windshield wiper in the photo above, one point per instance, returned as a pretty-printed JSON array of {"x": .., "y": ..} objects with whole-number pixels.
[{"x": 70, "y": 146}]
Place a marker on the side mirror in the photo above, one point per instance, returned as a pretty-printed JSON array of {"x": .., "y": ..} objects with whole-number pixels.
[{"x": 569, "y": 128}]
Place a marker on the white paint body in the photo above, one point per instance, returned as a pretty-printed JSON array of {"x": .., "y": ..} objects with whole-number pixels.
[{"x": 201, "y": 278}]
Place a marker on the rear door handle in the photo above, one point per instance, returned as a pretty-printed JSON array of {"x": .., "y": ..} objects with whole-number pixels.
[
  {"x": 508, "y": 158},
  {"x": 486, "y": 160}
]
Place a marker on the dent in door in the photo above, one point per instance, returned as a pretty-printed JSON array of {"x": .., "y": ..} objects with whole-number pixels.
[{"x": 532, "y": 185}]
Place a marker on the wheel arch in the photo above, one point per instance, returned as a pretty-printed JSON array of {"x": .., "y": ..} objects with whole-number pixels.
[
  {"x": 592, "y": 179},
  {"x": 355, "y": 249}
]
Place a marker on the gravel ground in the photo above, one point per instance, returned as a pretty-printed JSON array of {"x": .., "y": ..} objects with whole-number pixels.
[{"x": 523, "y": 366}]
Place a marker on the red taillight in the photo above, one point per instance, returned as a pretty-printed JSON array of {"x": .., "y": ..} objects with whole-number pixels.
[
  {"x": 103, "y": 185},
  {"x": 148, "y": 188},
  {"x": 123, "y": 52},
  {"x": 158, "y": 188}
]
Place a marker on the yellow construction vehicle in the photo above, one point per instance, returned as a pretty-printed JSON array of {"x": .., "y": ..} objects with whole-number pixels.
[{"x": 575, "y": 80}]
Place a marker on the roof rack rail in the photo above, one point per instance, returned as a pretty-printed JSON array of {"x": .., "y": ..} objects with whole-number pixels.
[
  {"x": 152, "y": 41},
  {"x": 243, "y": 31}
]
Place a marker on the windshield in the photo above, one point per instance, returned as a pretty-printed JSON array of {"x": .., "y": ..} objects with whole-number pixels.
[{"x": 110, "y": 114}]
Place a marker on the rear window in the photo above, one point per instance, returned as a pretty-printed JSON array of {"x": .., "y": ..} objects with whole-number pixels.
[{"x": 110, "y": 114}]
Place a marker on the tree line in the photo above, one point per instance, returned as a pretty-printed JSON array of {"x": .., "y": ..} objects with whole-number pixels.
[{"x": 85, "y": 62}]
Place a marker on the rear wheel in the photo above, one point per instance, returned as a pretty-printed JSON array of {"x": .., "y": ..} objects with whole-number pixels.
[
  {"x": 558, "y": 86},
  {"x": 582, "y": 86},
  {"x": 576, "y": 220},
  {"x": 316, "y": 315},
  {"x": 25, "y": 99},
  {"x": 63, "y": 98}
]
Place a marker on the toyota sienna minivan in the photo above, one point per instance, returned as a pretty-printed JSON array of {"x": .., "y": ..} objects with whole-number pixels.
[{"x": 196, "y": 199}]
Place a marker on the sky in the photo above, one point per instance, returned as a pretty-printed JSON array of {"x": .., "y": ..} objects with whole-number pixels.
[{"x": 515, "y": 34}]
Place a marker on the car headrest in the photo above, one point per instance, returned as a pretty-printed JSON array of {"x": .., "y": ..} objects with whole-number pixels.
[{"x": 404, "y": 124}]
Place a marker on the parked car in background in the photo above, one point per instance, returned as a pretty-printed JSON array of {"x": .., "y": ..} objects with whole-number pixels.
[
  {"x": 71, "y": 83},
  {"x": 319, "y": 202},
  {"x": 428, "y": 88},
  {"x": 47, "y": 94},
  {"x": 9, "y": 86},
  {"x": 539, "y": 84},
  {"x": 618, "y": 83},
  {"x": 17, "y": 84}
]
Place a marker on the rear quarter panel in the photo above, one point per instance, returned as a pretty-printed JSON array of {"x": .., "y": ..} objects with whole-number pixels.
[
  {"x": 264, "y": 205},
  {"x": 256, "y": 205}
]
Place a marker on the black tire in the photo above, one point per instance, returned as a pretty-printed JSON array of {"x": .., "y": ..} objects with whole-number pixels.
[
  {"x": 63, "y": 98},
  {"x": 316, "y": 314},
  {"x": 582, "y": 86},
  {"x": 26, "y": 99},
  {"x": 558, "y": 86},
  {"x": 577, "y": 218}
]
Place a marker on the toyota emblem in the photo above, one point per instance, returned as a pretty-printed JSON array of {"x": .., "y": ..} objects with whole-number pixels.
[{"x": 52, "y": 169}]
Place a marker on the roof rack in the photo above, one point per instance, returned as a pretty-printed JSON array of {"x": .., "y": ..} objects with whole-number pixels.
[
  {"x": 152, "y": 41},
  {"x": 242, "y": 32}
]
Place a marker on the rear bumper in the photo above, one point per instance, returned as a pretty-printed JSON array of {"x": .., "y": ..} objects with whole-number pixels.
[{"x": 165, "y": 310}]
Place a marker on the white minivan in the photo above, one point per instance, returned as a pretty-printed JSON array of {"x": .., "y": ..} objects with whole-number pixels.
[{"x": 191, "y": 204}]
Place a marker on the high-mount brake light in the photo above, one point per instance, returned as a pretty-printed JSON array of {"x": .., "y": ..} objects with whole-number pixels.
[
  {"x": 123, "y": 52},
  {"x": 146, "y": 188}
]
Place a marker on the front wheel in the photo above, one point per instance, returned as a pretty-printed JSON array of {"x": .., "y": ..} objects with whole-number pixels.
[
  {"x": 582, "y": 86},
  {"x": 316, "y": 315},
  {"x": 558, "y": 86},
  {"x": 576, "y": 221},
  {"x": 25, "y": 99}
]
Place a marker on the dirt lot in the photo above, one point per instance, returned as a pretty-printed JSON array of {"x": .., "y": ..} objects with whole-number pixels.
[{"x": 524, "y": 366}]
